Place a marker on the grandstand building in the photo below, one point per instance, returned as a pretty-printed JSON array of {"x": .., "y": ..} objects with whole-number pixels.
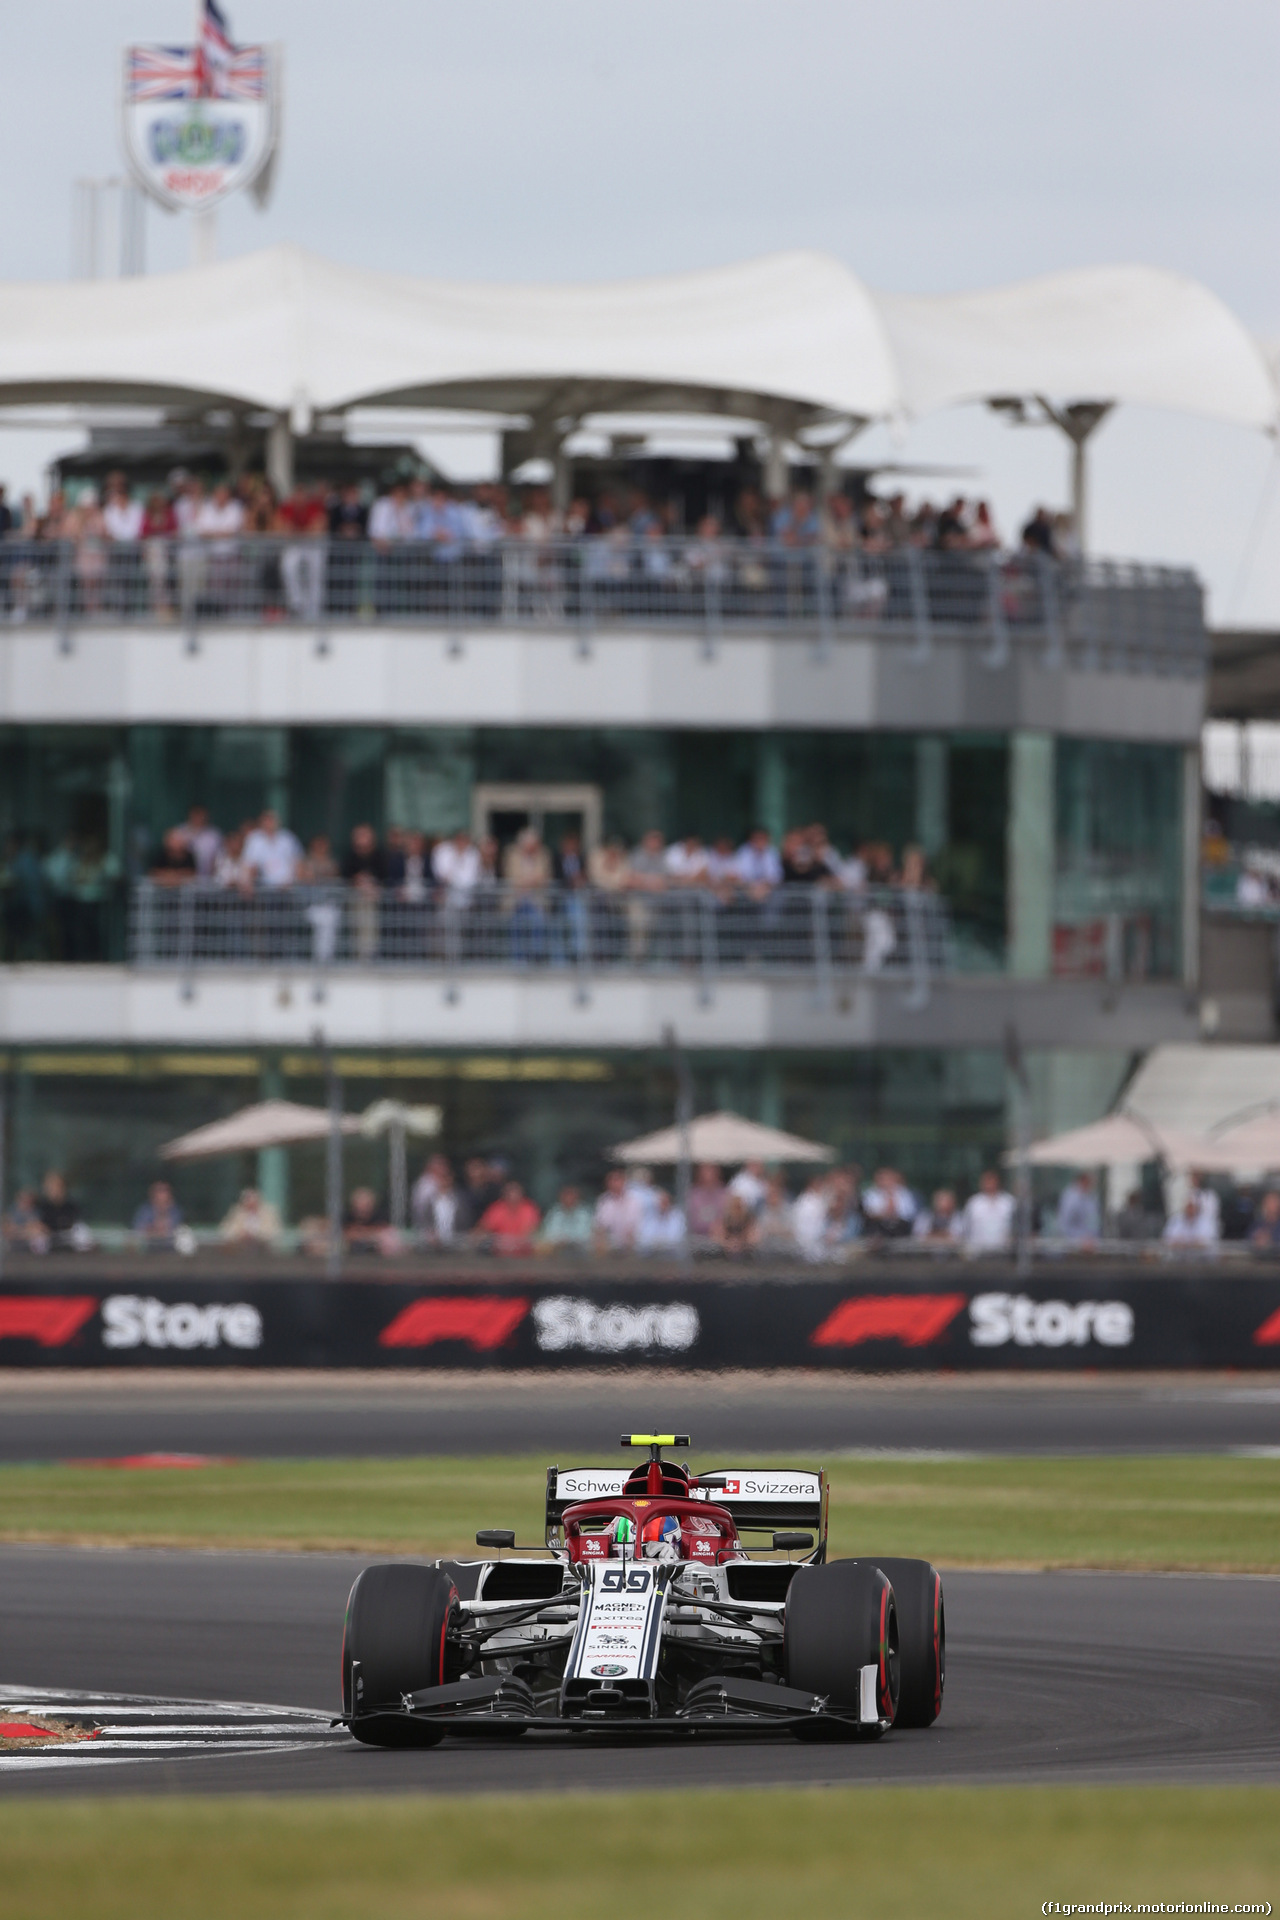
[{"x": 1031, "y": 724}]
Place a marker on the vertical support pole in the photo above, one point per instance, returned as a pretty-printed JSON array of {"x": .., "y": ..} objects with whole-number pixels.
[
  {"x": 1029, "y": 862},
  {"x": 273, "y": 1162},
  {"x": 204, "y": 237},
  {"x": 917, "y": 996},
  {"x": 1190, "y": 862},
  {"x": 775, "y": 465},
  {"x": 822, "y": 563},
  {"x": 707, "y": 949},
  {"x": 582, "y": 936},
  {"x": 1020, "y": 1093},
  {"x": 280, "y": 455},
  {"x": 771, "y": 785},
  {"x": 820, "y": 907},
  {"x": 62, "y": 595},
  {"x": 1080, "y": 490},
  {"x": 711, "y": 610},
  {"x": 187, "y": 927},
  {"x": 398, "y": 1174},
  {"x": 769, "y": 1113},
  {"x": 333, "y": 1156},
  {"x": 920, "y": 617},
  {"x": 933, "y": 792},
  {"x": 1055, "y": 639},
  {"x": 997, "y": 654},
  {"x": 684, "y": 1118}
]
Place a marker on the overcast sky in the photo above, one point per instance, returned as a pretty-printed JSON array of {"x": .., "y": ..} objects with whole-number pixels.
[{"x": 931, "y": 146}]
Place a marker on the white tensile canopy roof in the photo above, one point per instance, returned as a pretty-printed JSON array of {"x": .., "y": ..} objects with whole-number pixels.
[
  {"x": 1133, "y": 334},
  {"x": 284, "y": 328},
  {"x": 1191, "y": 1088},
  {"x": 790, "y": 339},
  {"x": 724, "y": 1139}
]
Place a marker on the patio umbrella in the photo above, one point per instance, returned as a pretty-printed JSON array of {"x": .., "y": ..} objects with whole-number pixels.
[
  {"x": 269, "y": 1123},
  {"x": 1121, "y": 1139},
  {"x": 1250, "y": 1146},
  {"x": 724, "y": 1139},
  {"x": 397, "y": 1120}
]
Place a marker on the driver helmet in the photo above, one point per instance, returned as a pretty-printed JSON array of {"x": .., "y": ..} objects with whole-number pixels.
[
  {"x": 624, "y": 1534},
  {"x": 661, "y": 1538}
]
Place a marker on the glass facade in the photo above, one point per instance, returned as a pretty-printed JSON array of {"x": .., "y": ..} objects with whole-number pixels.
[
  {"x": 102, "y": 1116},
  {"x": 107, "y": 794},
  {"x": 1117, "y": 895},
  {"x": 82, "y": 808}
]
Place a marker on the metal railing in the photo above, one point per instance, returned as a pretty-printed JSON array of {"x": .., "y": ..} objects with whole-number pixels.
[
  {"x": 1087, "y": 613},
  {"x": 814, "y": 930}
]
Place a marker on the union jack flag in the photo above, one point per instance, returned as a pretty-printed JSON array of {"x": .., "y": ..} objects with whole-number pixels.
[
  {"x": 216, "y": 69},
  {"x": 161, "y": 73}
]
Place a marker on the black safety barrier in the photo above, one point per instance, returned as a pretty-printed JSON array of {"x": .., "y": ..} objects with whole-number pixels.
[{"x": 969, "y": 1318}]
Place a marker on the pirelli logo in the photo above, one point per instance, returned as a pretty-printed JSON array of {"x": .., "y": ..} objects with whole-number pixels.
[{"x": 913, "y": 1319}]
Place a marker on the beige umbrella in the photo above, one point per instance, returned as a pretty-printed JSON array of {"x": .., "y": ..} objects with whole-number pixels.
[
  {"x": 1250, "y": 1146},
  {"x": 724, "y": 1139},
  {"x": 397, "y": 1120},
  {"x": 1121, "y": 1139},
  {"x": 270, "y": 1123}
]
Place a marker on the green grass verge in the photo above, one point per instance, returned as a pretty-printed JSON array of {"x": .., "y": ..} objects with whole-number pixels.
[
  {"x": 903, "y": 1851},
  {"x": 1194, "y": 1511}
]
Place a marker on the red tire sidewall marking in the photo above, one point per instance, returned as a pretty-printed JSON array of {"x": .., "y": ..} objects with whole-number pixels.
[
  {"x": 453, "y": 1601},
  {"x": 886, "y": 1703}
]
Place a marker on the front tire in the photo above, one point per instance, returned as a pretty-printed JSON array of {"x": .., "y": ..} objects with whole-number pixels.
[
  {"x": 840, "y": 1618},
  {"x": 396, "y": 1630},
  {"x": 922, "y": 1627}
]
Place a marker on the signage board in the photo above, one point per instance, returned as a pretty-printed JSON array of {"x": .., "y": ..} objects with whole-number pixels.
[{"x": 201, "y": 123}]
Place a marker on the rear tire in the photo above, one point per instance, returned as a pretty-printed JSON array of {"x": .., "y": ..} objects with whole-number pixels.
[
  {"x": 840, "y": 1618},
  {"x": 922, "y": 1629},
  {"x": 396, "y": 1625}
]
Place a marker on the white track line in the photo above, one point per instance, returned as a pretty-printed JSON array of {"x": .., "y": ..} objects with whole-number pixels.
[{"x": 129, "y": 1727}]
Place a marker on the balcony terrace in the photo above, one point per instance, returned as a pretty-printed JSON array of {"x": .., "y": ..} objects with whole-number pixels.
[{"x": 654, "y": 631}]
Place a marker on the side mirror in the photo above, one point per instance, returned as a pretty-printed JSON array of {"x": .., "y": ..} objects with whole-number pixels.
[
  {"x": 792, "y": 1542},
  {"x": 499, "y": 1537},
  {"x": 711, "y": 1480}
]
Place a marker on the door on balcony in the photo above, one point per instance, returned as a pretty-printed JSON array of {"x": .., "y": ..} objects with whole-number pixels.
[{"x": 502, "y": 810}]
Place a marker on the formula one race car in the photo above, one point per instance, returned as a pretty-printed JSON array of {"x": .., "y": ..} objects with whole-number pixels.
[{"x": 645, "y": 1611}]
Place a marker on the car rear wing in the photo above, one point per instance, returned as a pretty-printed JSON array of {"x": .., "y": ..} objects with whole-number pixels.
[{"x": 761, "y": 1499}]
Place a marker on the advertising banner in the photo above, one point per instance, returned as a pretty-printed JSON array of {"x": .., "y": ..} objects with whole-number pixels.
[{"x": 1073, "y": 1318}]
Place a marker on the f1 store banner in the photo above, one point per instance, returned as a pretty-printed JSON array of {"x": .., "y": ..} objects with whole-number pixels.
[{"x": 1075, "y": 1317}]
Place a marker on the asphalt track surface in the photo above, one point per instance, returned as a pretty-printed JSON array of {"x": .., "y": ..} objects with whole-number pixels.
[
  {"x": 79, "y": 1416},
  {"x": 1055, "y": 1676}
]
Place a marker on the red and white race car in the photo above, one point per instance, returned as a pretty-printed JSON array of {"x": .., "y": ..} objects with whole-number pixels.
[{"x": 644, "y": 1608}]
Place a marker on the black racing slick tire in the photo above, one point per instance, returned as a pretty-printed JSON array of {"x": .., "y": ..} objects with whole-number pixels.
[
  {"x": 922, "y": 1639},
  {"x": 840, "y": 1618},
  {"x": 393, "y": 1643}
]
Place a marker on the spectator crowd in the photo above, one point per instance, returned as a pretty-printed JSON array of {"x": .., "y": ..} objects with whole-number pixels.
[
  {"x": 487, "y": 1210},
  {"x": 834, "y": 1215},
  {"x": 408, "y": 894},
  {"x": 189, "y": 546},
  {"x": 264, "y": 855}
]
